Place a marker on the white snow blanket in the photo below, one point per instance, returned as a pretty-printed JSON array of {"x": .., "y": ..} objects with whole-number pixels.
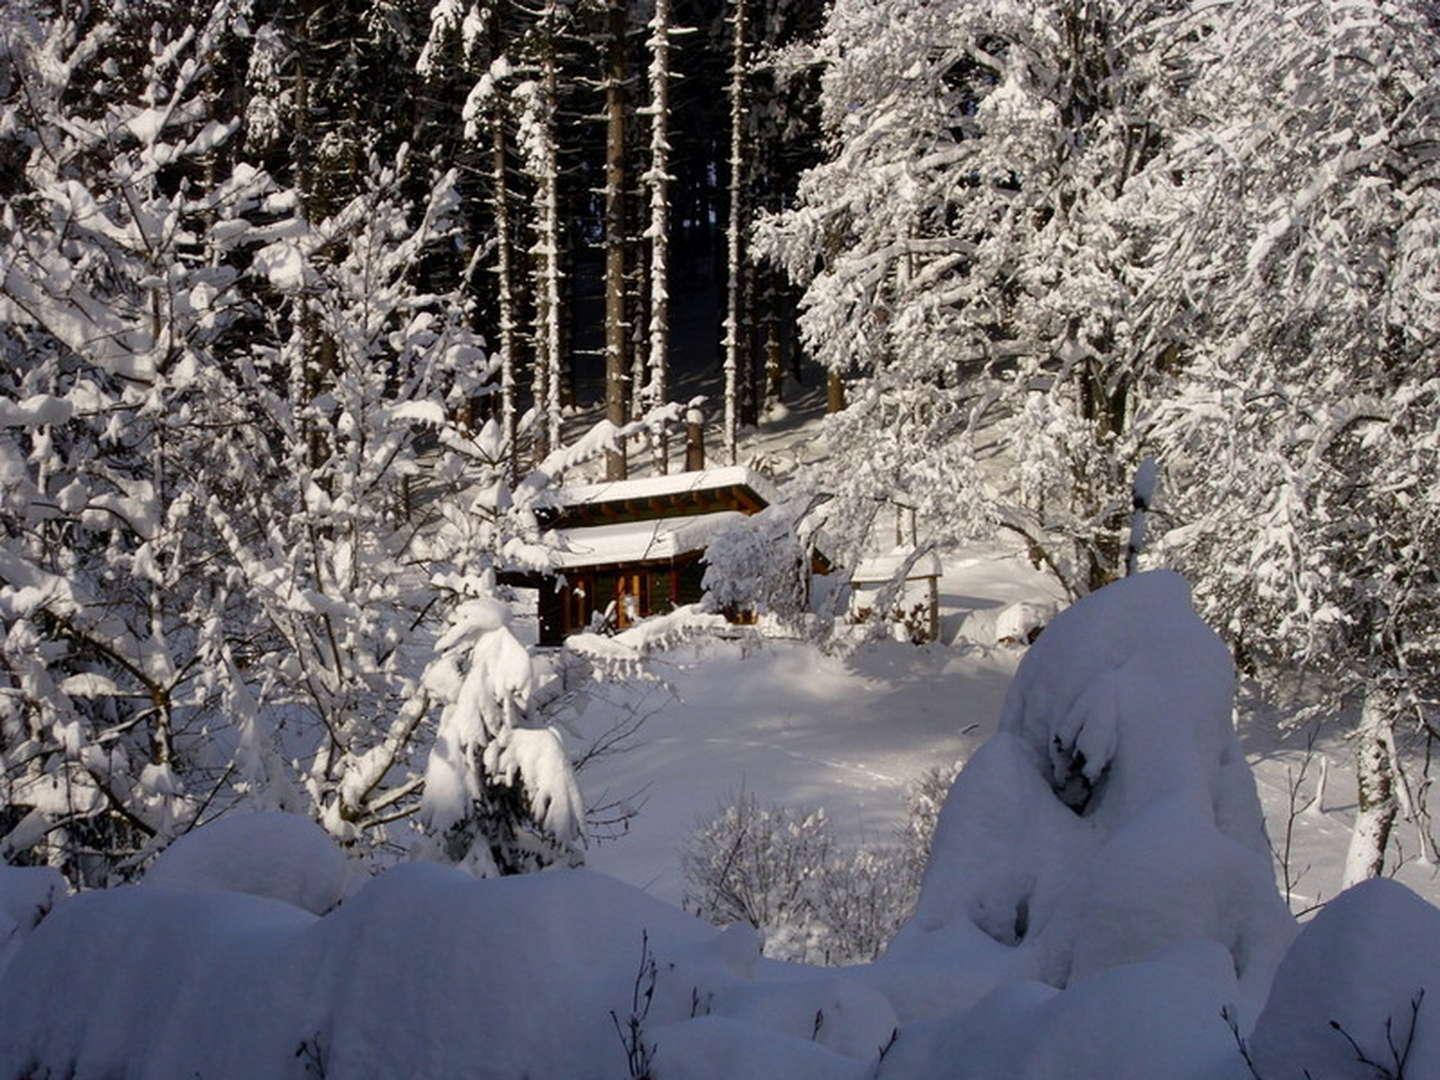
[
  {"x": 1099, "y": 892},
  {"x": 268, "y": 853}
]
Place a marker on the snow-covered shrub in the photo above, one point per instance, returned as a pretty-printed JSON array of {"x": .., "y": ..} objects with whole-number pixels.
[
  {"x": 818, "y": 900},
  {"x": 923, "y": 801},
  {"x": 761, "y": 563},
  {"x": 27, "y": 895},
  {"x": 280, "y": 856},
  {"x": 866, "y": 895},
  {"x": 757, "y": 863}
]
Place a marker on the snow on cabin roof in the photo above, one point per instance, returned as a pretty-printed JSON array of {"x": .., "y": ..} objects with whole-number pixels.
[
  {"x": 638, "y": 541},
  {"x": 880, "y": 568},
  {"x": 671, "y": 484}
]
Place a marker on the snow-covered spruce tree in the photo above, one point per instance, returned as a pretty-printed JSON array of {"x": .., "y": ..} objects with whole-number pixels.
[
  {"x": 472, "y": 39},
  {"x": 977, "y": 253},
  {"x": 1305, "y": 444},
  {"x": 614, "y": 80}
]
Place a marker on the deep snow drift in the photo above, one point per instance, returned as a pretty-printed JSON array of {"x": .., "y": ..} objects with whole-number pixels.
[
  {"x": 1099, "y": 892},
  {"x": 1111, "y": 817}
]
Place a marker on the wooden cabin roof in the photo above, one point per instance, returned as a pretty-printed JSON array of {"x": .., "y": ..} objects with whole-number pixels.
[
  {"x": 652, "y": 498},
  {"x": 637, "y": 542}
]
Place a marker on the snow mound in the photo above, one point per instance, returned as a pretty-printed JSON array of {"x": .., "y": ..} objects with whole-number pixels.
[
  {"x": 1021, "y": 623},
  {"x": 1110, "y": 817},
  {"x": 1369, "y": 962},
  {"x": 267, "y": 853},
  {"x": 1132, "y": 1022},
  {"x": 27, "y": 895},
  {"x": 425, "y": 971},
  {"x": 717, "y": 1048}
]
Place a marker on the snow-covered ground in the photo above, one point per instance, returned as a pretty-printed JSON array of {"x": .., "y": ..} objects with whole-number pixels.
[
  {"x": 1099, "y": 902},
  {"x": 790, "y": 724}
]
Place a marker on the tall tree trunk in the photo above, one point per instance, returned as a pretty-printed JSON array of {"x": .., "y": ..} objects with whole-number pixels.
[
  {"x": 658, "y": 178},
  {"x": 546, "y": 380},
  {"x": 505, "y": 286},
  {"x": 616, "y": 371},
  {"x": 1375, "y": 782},
  {"x": 774, "y": 356},
  {"x": 735, "y": 337}
]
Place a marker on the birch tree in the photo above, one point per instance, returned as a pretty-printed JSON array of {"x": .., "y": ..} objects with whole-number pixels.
[{"x": 1303, "y": 434}]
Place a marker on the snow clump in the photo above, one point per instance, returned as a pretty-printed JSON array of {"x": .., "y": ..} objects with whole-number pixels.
[
  {"x": 269, "y": 853},
  {"x": 1111, "y": 817}
]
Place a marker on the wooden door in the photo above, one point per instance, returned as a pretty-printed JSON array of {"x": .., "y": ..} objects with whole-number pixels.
[{"x": 629, "y": 598}]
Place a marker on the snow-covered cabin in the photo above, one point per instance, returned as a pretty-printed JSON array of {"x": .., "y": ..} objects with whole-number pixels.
[
  {"x": 632, "y": 548},
  {"x": 917, "y": 607}
]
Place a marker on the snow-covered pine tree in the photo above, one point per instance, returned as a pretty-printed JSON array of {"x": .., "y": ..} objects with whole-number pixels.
[
  {"x": 537, "y": 99},
  {"x": 617, "y": 373},
  {"x": 473, "y": 39},
  {"x": 657, "y": 178}
]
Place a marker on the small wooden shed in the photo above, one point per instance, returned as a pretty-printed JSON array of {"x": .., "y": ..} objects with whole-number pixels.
[
  {"x": 634, "y": 548},
  {"x": 917, "y": 607}
]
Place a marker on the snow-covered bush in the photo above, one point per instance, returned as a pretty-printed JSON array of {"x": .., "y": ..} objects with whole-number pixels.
[
  {"x": 757, "y": 863},
  {"x": 27, "y": 895},
  {"x": 1356, "y": 997},
  {"x": 818, "y": 900},
  {"x": 281, "y": 856},
  {"x": 923, "y": 801}
]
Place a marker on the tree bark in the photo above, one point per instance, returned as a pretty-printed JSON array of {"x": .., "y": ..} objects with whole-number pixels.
[
  {"x": 546, "y": 377},
  {"x": 735, "y": 283},
  {"x": 658, "y": 178},
  {"x": 616, "y": 369},
  {"x": 1375, "y": 785},
  {"x": 505, "y": 287}
]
